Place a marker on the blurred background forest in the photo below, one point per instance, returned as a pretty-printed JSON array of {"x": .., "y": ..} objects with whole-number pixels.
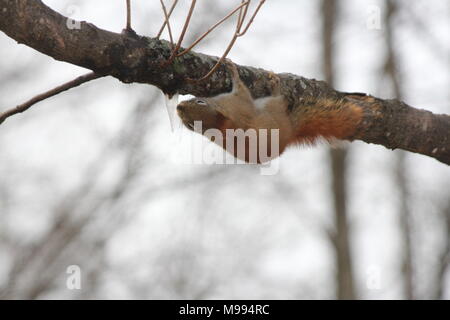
[{"x": 90, "y": 177}]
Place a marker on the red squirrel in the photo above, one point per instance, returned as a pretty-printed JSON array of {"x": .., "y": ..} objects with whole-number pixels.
[{"x": 268, "y": 116}]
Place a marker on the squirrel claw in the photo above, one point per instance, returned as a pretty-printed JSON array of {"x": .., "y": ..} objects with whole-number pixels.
[{"x": 275, "y": 83}]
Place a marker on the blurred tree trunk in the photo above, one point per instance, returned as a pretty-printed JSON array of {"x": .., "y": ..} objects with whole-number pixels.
[
  {"x": 344, "y": 271},
  {"x": 391, "y": 70},
  {"x": 438, "y": 288}
]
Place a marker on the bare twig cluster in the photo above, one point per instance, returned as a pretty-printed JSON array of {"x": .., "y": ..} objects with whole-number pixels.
[{"x": 240, "y": 30}]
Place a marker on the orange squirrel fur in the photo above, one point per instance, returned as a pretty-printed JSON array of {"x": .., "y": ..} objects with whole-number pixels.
[{"x": 238, "y": 110}]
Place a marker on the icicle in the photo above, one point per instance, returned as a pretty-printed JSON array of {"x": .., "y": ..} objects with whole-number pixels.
[
  {"x": 171, "y": 105},
  {"x": 180, "y": 151}
]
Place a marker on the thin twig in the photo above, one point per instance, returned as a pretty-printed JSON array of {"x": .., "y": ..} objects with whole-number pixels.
[
  {"x": 183, "y": 32},
  {"x": 166, "y": 19},
  {"x": 242, "y": 16},
  {"x": 243, "y": 10},
  {"x": 222, "y": 58},
  {"x": 238, "y": 33},
  {"x": 128, "y": 15},
  {"x": 261, "y": 2},
  {"x": 64, "y": 87},
  {"x": 211, "y": 29}
]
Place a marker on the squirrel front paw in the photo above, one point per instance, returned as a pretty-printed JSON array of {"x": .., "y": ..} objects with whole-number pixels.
[
  {"x": 275, "y": 84},
  {"x": 231, "y": 67}
]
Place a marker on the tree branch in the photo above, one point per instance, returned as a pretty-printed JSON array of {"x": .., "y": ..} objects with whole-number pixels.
[
  {"x": 391, "y": 123},
  {"x": 64, "y": 87}
]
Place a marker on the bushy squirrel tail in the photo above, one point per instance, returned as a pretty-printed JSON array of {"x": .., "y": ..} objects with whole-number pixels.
[{"x": 328, "y": 118}]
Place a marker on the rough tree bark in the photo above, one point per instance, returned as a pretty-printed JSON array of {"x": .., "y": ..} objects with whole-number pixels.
[{"x": 390, "y": 123}]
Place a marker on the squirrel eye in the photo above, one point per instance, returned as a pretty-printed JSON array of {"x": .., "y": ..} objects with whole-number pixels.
[{"x": 201, "y": 102}]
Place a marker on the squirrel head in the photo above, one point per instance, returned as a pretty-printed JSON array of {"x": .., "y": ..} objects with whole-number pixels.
[{"x": 200, "y": 109}]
